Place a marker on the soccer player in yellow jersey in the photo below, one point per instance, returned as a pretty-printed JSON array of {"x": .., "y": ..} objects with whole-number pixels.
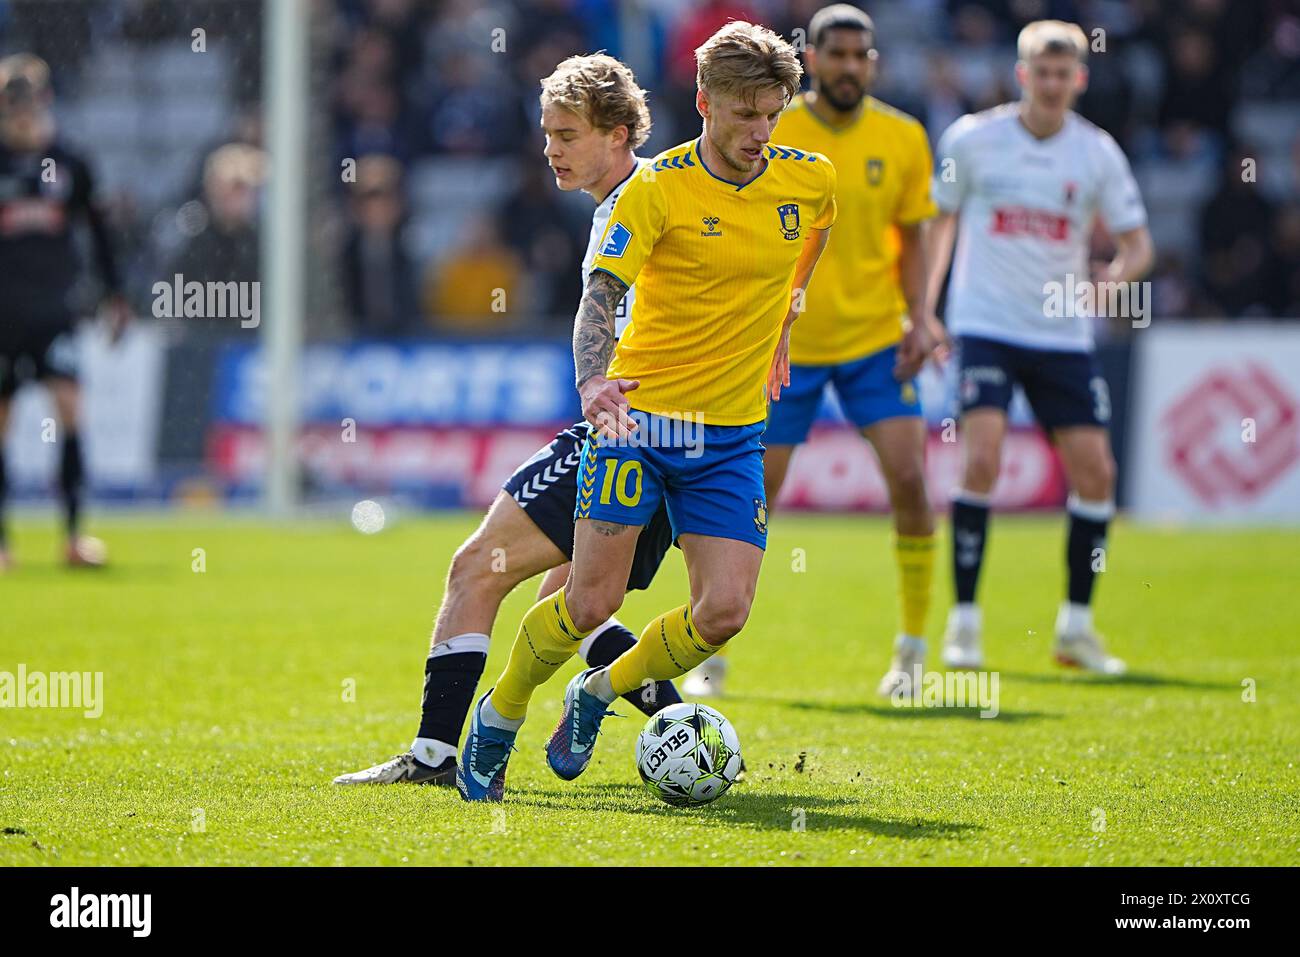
[
  {"x": 863, "y": 329},
  {"x": 721, "y": 238}
]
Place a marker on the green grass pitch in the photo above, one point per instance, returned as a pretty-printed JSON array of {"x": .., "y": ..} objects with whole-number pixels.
[{"x": 226, "y": 716}]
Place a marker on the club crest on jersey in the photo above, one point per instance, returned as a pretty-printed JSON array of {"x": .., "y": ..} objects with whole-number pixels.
[
  {"x": 616, "y": 241},
  {"x": 760, "y": 516},
  {"x": 875, "y": 171},
  {"x": 789, "y": 213}
]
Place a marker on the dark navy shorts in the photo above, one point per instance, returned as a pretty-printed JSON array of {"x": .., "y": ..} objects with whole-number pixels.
[
  {"x": 1063, "y": 388},
  {"x": 546, "y": 488}
]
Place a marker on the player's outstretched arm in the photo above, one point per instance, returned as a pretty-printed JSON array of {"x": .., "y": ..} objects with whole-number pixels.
[
  {"x": 814, "y": 243},
  {"x": 603, "y": 402}
]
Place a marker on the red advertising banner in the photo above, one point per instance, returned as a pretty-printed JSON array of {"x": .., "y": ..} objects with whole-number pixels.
[{"x": 836, "y": 470}]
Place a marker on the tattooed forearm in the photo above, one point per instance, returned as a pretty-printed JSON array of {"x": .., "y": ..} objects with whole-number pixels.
[{"x": 593, "y": 330}]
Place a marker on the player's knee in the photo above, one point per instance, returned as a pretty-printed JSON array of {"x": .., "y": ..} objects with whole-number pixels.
[
  {"x": 981, "y": 471},
  {"x": 1097, "y": 481},
  {"x": 590, "y": 607},
  {"x": 719, "y": 620},
  {"x": 478, "y": 567},
  {"x": 907, "y": 484}
]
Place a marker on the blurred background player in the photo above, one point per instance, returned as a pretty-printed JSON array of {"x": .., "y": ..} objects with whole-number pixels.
[
  {"x": 1027, "y": 180},
  {"x": 721, "y": 236},
  {"x": 864, "y": 327},
  {"x": 45, "y": 190},
  {"x": 594, "y": 116}
]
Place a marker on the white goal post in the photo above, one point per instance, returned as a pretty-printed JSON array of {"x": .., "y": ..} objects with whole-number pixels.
[{"x": 284, "y": 241}]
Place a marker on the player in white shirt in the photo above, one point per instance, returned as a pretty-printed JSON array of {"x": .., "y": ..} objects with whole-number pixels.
[
  {"x": 594, "y": 116},
  {"x": 1020, "y": 187}
]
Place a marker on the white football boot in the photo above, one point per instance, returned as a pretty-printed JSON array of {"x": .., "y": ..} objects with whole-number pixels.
[
  {"x": 706, "y": 680},
  {"x": 404, "y": 768},
  {"x": 905, "y": 669},
  {"x": 1079, "y": 646},
  {"x": 961, "y": 639}
]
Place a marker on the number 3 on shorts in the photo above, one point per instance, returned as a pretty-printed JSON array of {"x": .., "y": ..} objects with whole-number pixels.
[{"x": 618, "y": 484}]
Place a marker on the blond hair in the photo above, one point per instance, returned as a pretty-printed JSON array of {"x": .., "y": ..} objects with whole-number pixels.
[
  {"x": 602, "y": 91},
  {"x": 742, "y": 58},
  {"x": 1052, "y": 36}
]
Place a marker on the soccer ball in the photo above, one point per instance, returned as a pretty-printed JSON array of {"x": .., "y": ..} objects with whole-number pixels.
[{"x": 688, "y": 755}]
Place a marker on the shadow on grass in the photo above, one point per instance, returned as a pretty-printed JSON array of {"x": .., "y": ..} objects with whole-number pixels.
[
  {"x": 910, "y": 712},
  {"x": 744, "y": 807},
  {"x": 1137, "y": 679}
]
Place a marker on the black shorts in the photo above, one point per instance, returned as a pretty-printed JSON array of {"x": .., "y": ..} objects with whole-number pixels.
[
  {"x": 34, "y": 353},
  {"x": 1063, "y": 388},
  {"x": 546, "y": 488}
]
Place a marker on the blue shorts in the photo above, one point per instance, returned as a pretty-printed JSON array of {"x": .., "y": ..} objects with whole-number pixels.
[
  {"x": 1063, "y": 388},
  {"x": 545, "y": 487},
  {"x": 866, "y": 387},
  {"x": 710, "y": 477}
]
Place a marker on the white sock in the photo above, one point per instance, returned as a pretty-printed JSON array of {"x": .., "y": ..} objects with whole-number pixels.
[
  {"x": 495, "y": 719},
  {"x": 598, "y": 684},
  {"x": 472, "y": 641},
  {"x": 1073, "y": 619},
  {"x": 911, "y": 644},
  {"x": 431, "y": 751},
  {"x": 966, "y": 615},
  {"x": 1095, "y": 511},
  {"x": 584, "y": 649}
]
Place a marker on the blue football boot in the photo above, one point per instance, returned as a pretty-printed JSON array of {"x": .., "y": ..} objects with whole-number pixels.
[
  {"x": 569, "y": 750},
  {"x": 481, "y": 774}
]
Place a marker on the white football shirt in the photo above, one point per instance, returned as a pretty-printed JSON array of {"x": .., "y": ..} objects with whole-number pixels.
[
  {"x": 599, "y": 220},
  {"x": 1027, "y": 208}
]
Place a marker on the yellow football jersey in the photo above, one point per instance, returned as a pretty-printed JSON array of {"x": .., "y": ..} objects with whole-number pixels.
[
  {"x": 855, "y": 304},
  {"x": 713, "y": 264}
]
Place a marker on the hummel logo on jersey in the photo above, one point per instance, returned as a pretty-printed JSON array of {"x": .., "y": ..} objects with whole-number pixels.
[
  {"x": 616, "y": 243},
  {"x": 710, "y": 226}
]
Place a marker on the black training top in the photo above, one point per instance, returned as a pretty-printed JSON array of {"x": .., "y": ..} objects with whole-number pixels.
[{"x": 43, "y": 194}]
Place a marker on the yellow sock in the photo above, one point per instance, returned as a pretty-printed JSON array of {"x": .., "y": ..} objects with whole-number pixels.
[
  {"x": 547, "y": 639},
  {"x": 915, "y": 554},
  {"x": 668, "y": 648}
]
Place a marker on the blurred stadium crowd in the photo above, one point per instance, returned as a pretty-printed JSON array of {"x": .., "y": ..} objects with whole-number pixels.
[{"x": 436, "y": 102}]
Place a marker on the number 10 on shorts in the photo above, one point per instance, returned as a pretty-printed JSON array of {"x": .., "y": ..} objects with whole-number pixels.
[{"x": 616, "y": 481}]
